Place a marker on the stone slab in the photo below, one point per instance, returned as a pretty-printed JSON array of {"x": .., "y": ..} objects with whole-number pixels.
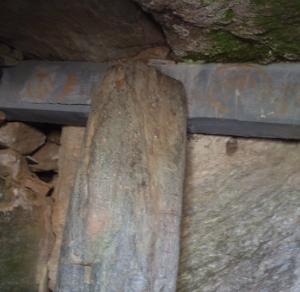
[
  {"x": 240, "y": 230},
  {"x": 227, "y": 99}
]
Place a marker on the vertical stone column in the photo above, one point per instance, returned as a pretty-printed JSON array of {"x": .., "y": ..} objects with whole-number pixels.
[
  {"x": 69, "y": 161},
  {"x": 123, "y": 225}
]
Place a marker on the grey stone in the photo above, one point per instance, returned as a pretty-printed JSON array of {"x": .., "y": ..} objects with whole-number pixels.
[
  {"x": 247, "y": 100},
  {"x": 122, "y": 232},
  {"x": 241, "y": 215}
]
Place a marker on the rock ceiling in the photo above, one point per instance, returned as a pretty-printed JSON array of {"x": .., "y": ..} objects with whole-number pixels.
[{"x": 195, "y": 30}]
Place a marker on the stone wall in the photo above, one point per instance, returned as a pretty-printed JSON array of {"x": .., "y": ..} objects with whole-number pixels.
[{"x": 240, "y": 230}]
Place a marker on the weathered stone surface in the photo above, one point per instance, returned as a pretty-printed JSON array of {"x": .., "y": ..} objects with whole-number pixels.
[
  {"x": 241, "y": 216},
  {"x": 20, "y": 236},
  {"x": 246, "y": 100},
  {"x": 14, "y": 166},
  {"x": 75, "y": 30},
  {"x": 37, "y": 186},
  {"x": 21, "y": 137},
  {"x": 221, "y": 30},
  {"x": 69, "y": 161},
  {"x": 46, "y": 158},
  {"x": 24, "y": 235},
  {"x": 122, "y": 232},
  {"x": 23, "y": 239}
]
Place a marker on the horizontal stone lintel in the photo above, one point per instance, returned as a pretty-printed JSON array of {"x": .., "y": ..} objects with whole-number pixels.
[{"x": 245, "y": 100}]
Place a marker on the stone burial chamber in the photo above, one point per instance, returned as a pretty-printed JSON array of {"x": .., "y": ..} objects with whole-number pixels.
[{"x": 149, "y": 146}]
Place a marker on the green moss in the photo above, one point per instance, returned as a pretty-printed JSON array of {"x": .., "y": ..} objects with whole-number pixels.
[
  {"x": 285, "y": 43},
  {"x": 229, "y": 15},
  {"x": 276, "y": 35},
  {"x": 281, "y": 26},
  {"x": 230, "y": 50},
  {"x": 225, "y": 42},
  {"x": 281, "y": 6},
  {"x": 229, "y": 47}
]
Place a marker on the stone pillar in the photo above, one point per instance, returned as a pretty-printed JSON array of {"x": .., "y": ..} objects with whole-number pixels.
[
  {"x": 123, "y": 224},
  {"x": 69, "y": 161}
]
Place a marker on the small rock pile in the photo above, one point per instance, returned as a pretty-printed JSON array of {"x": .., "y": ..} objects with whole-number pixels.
[{"x": 28, "y": 159}]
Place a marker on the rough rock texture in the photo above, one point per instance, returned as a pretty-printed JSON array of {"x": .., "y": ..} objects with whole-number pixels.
[
  {"x": 14, "y": 166},
  {"x": 24, "y": 226},
  {"x": 221, "y": 30},
  {"x": 46, "y": 158},
  {"x": 241, "y": 216},
  {"x": 69, "y": 161},
  {"x": 122, "y": 232},
  {"x": 21, "y": 137},
  {"x": 77, "y": 30}
]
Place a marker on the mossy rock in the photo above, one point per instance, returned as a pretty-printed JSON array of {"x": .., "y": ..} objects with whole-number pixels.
[{"x": 230, "y": 31}]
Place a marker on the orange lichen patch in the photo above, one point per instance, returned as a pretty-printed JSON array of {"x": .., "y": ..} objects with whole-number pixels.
[
  {"x": 70, "y": 85},
  {"x": 40, "y": 86},
  {"x": 120, "y": 83}
]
